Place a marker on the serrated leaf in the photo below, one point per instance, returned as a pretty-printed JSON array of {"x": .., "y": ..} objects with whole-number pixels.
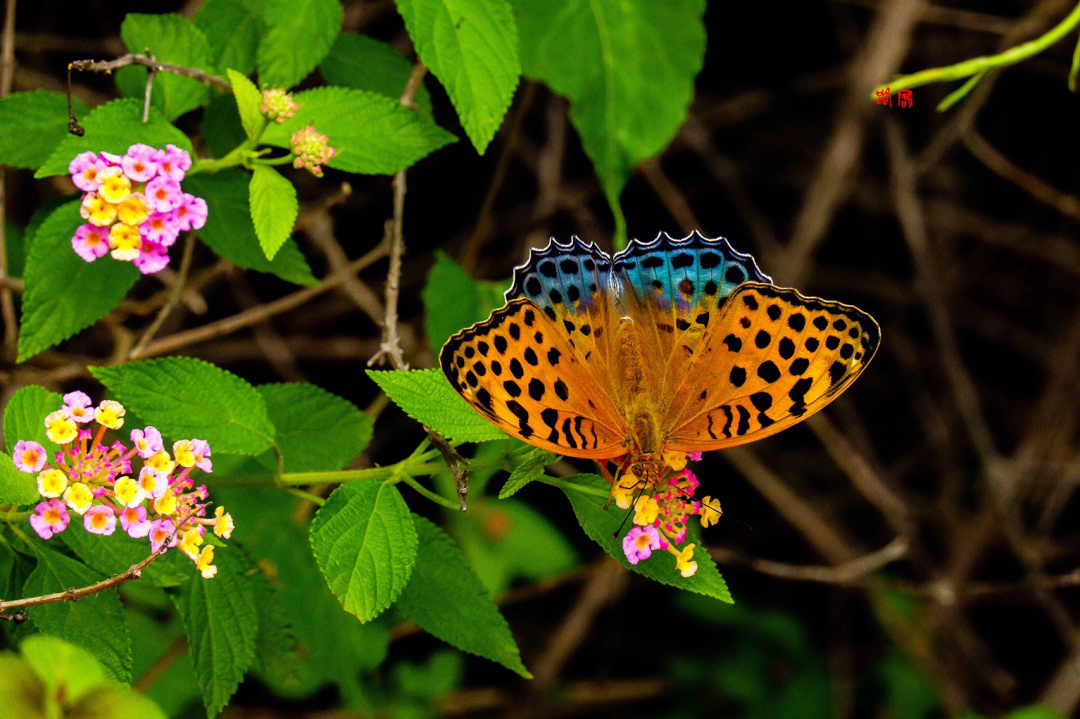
[
  {"x": 15, "y": 487},
  {"x": 173, "y": 39},
  {"x": 24, "y": 417},
  {"x": 233, "y": 31},
  {"x": 316, "y": 430},
  {"x": 365, "y": 544},
  {"x": 34, "y": 124},
  {"x": 248, "y": 99},
  {"x": 230, "y": 233},
  {"x": 117, "y": 552},
  {"x": 114, "y": 127},
  {"x": 442, "y": 318},
  {"x": 364, "y": 63},
  {"x": 276, "y": 647},
  {"x": 373, "y": 134},
  {"x": 221, "y": 620},
  {"x": 95, "y": 622},
  {"x": 588, "y": 495},
  {"x": 472, "y": 47},
  {"x": 530, "y": 468},
  {"x": 445, "y": 598},
  {"x": 273, "y": 204},
  {"x": 188, "y": 398},
  {"x": 64, "y": 293},
  {"x": 628, "y": 68},
  {"x": 298, "y": 35},
  {"x": 426, "y": 396}
]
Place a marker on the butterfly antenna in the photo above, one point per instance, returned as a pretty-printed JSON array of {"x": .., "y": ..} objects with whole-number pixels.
[
  {"x": 628, "y": 513},
  {"x": 715, "y": 507}
]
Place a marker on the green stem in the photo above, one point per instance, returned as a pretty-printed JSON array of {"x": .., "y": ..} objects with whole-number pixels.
[
  {"x": 313, "y": 498},
  {"x": 1074, "y": 71},
  {"x": 958, "y": 95},
  {"x": 286, "y": 159},
  {"x": 419, "y": 466},
  {"x": 983, "y": 64},
  {"x": 436, "y": 498},
  {"x": 239, "y": 155}
]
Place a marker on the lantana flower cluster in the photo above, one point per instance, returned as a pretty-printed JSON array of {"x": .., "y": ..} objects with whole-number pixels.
[
  {"x": 133, "y": 205},
  {"x": 95, "y": 479},
  {"x": 277, "y": 105},
  {"x": 662, "y": 512},
  {"x": 312, "y": 150}
]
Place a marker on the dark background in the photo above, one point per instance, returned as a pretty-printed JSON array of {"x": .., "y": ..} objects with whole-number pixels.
[{"x": 912, "y": 551}]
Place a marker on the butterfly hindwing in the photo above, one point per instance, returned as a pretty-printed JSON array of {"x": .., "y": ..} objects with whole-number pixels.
[
  {"x": 518, "y": 369},
  {"x": 771, "y": 358}
]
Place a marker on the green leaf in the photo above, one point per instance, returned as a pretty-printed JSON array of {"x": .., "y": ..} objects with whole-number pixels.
[
  {"x": 442, "y": 318},
  {"x": 34, "y": 124},
  {"x": 62, "y": 666},
  {"x": 188, "y": 398},
  {"x": 230, "y": 232},
  {"x": 298, "y": 35},
  {"x": 114, "y": 127},
  {"x": 373, "y": 134},
  {"x": 365, "y": 544},
  {"x": 276, "y": 649},
  {"x": 337, "y": 648},
  {"x": 510, "y": 540},
  {"x": 530, "y": 468},
  {"x": 427, "y": 397},
  {"x": 316, "y": 430},
  {"x": 64, "y": 293},
  {"x": 221, "y": 620},
  {"x": 1034, "y": 711},
  {"x": 588, "y": 494},
  {"x": 115, "y": 702},
  {"x": 173, "y": 39},
  {"x": 24, "y": 417},
  {"x": 233, "y": 31},
  {"x": 273, "y": 208},
  {"x": 911, "y": 695},
  {"x": 117, "y": 552},
  {"x": 15, "y": 487},
  {"x": 95, "y": 622},
  {"x": 628, "y": 68},
  {"x": 248, "y": 99},
  {"x": 472, "y": 47},
  {"x": 446, "y": 598},
  {"x": 222, "y": 130},
  {"x": 364, "y": 63}
]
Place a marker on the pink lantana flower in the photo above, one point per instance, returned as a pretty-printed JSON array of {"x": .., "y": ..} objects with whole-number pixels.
[
  {"x": 90, "y": 242},
  {"x": 140, "y": 163},
  {"x": 640, "y": 542},
  {"x": 162, "y": 531},
  {"x": 133, "y": 521},
  {"x": 85, "y": 171},
  {"x": 29, "y": 456},
  {"x": 147, "y": 441},
  {"x": 191, "y": 214},
  {"x": 49, "y": 518},
  {"x": 77, "y": 407},
  {"x": 163, "y": 194},
  {"x": 100, "y": 519},
  {"x": 173, "y": 162},
  {"x": 153, "y": 258},
  {"x": 162, "y": 227}
]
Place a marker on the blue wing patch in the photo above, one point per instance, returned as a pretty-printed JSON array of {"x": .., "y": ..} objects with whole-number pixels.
[
  {"x": 695, "y": 270},
  {"x": 562, "y": 278}
]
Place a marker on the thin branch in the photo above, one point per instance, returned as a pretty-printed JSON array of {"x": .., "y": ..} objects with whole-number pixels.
[
  {"x": 175, "y": 293},
  {"x": 263, "y": 312},
  {"x": 7, "y": 302},
  {"x": 850, "y": 573},
  {"x": 153, "y": 67}
]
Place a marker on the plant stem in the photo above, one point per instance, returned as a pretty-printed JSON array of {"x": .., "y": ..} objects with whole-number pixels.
[
  {"x": 983, "y": 64},
  {"x": 419, "y": 466}
]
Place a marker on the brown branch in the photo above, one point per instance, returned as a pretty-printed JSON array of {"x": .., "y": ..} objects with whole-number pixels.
[
  {"x": 153, "y": 66},
  {"x": 174, "y": 297},
  {"x": 75, "y": 594},
  {"x": 263, "y": 312},
  {"x": 850, "y": 573},
  {"x": 7, "y": 301}
]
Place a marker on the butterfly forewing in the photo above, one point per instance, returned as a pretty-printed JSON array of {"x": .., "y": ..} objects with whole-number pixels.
[
  {"x": 519, "y": 369},
  {"x": 770, "y": 358}
]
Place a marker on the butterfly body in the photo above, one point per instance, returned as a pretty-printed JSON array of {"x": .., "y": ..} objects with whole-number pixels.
[{"x": 671, "y": 345}]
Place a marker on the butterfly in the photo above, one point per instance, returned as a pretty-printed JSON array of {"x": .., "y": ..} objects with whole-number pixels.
[{"x": 673, "y": 345}]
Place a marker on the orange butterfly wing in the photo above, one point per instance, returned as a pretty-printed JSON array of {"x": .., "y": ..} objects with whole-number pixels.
[{"x": 769, "y": 358}]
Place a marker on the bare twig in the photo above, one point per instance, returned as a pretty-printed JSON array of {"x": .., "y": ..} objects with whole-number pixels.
[
  {"x": 153, "y": 67},
  {"x": 850, "y": 573},
  {"x": 175, "y": 293},
  {"x": 7, "y": 302}
]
